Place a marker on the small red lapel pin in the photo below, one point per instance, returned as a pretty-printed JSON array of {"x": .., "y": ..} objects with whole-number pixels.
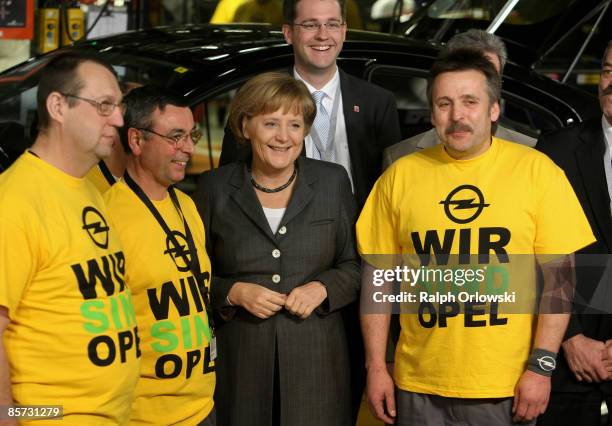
[{"x": 356, "y": 108}]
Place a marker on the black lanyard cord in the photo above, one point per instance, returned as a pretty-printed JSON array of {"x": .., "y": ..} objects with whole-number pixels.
[
  {"x": 194, "y": 264},
  {"x": 110, "y": 178}
]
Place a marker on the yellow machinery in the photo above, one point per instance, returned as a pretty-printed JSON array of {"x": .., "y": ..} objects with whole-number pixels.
[
  {"x": 48, "y": 29},
  {"x": 59, "y": 25},
  {"x": 73, "y": 27}
]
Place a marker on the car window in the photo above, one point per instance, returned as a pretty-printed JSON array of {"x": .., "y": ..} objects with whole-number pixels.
[
  {"x": 410, "y": 89},
  {"x": 18, "y": 89},
  {"x": 210, "y": 117}
]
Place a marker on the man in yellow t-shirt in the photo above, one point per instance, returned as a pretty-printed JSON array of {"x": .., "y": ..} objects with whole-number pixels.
[
  {"x": 167, "y": 268},
  {"x": 473, "y": 194},
  {"x": 67, "y": 323}
]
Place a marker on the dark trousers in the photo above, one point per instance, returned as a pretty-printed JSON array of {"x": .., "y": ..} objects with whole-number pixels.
[
  {"x": 210, "y": 420},
  {"x": 354, "y": 338},
  {"x": 576, "y": 408},
  {"x": 420, "y": 409}
]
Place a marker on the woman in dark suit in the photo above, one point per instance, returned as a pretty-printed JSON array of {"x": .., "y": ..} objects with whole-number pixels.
[{"x": 280, "y": 234}]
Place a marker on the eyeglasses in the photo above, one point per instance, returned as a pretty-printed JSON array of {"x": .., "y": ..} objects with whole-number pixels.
[
  {"x": 178, "y": 141},
  {"x": 312, "y": 27},
  {"x": 104, "y": 108}
]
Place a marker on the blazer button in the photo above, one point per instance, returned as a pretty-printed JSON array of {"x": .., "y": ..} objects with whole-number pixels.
[
  {"x": 282, "y": 230},
  {"x": 275, "y": 278},
  {"x": 276, "y": 253}
]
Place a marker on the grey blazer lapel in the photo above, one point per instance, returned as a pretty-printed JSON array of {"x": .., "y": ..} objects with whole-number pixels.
[
  {"x": 428, "y": 139},
  {"x": 302, "y": 193},
  {"x": 244, "y": 196}
]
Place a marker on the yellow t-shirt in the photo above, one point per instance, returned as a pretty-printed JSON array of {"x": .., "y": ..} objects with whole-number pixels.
[
  {"x": 177, "y": 378},
  {"x": 72, "y": 338},
  {"x": 100, "y": 181},
  {"x": 511, "y": 199}
]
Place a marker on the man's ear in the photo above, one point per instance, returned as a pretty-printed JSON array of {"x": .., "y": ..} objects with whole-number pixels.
[
  {"x": 56, "y": 105},
  {"x": 287, "y": 33},
  {"x": 135, "y": 141},
  {"x": 495, "y": 111}
]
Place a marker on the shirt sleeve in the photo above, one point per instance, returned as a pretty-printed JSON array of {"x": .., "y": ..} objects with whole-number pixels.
[
  {"x": 376, "y": 227},
  {"x": 19, "y": 264},
  {"x": 562, "y": 226}
]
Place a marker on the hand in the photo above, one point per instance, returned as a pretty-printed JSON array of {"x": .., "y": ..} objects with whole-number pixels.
[
  {"x": 258, "y": 300},
  {"x": 380, "y": 392},
  {"x": 584, "y": 356},
  {"x": 530, "y": 396},
  {"x": 306, "y": 298},
  {"x": 607, "y": 358}
]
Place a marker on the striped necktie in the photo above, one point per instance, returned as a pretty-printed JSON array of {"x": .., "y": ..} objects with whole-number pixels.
[{"x": 321, "y": 124}]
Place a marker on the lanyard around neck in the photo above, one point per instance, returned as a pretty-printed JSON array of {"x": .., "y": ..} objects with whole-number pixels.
[{"x": 194, "y": 264}]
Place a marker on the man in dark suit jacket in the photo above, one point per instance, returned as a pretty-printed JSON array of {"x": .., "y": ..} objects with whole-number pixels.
[
  {"x": 583, "y": 377},
  {"x": 367, "y": 120}
]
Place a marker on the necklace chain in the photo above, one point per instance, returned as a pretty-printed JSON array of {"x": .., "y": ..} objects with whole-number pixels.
[{"x": 280, "y": 188}]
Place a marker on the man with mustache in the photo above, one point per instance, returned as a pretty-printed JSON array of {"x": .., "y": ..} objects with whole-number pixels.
[
  {"x": 494, "y": 49},
  {"x": 168, "y": 269},
  {"x": 584, "y": 374},
  {"x": 464, "y": 361}
]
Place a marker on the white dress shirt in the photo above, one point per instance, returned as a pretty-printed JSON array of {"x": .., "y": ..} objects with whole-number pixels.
[
  {"x": 607, "y": 131},
  {"x": 341, "y": 149}
]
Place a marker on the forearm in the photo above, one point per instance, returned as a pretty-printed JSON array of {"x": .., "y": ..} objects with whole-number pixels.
[
  {"x": 550, "y": 331},
  {"x": 556, "y": 303},
  {"x": 375, "y": 330},
  {"x": 375, "y": 319},
  {"x": 6, "y": 397}
]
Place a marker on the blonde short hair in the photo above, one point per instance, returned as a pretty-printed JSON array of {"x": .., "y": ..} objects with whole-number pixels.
[{"x": 268, "y": 93}]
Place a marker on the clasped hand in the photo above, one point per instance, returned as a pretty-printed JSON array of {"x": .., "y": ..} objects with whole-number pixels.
[
  {"x": 590, "y": 360},
  {"x": 263, "y": 302}
]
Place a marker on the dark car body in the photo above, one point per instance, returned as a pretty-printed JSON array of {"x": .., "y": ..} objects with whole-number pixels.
[
  {"x": 563, "y": 39},
  {"x": 206, "y": 63}
]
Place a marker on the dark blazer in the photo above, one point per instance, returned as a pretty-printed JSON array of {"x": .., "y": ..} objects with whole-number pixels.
[
  {"x": 579, "y": 151},
  {"x": 372, "y": 124},
  {"x": 316, "y": 242}
]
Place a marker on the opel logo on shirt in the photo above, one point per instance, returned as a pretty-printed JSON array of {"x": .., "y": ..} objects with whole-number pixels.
[
  {"x": 96, "y": 226},
  {"x": 178, "y": 250},
  {"x": 464, "y": 204}
]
